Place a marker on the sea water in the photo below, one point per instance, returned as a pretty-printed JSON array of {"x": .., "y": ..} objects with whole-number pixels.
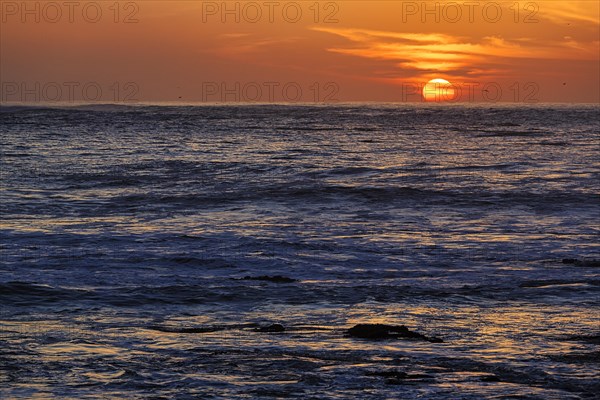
[{"x": 144, "y": 246}]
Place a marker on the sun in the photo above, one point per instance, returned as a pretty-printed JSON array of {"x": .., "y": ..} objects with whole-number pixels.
[{"x": 438, "y": 90}]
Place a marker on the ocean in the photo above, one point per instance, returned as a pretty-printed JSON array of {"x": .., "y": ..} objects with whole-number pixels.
[{"x": 223, "y": 251}]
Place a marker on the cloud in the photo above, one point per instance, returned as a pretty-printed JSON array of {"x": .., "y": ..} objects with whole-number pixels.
[
  {"x": 455, "y": 55},
  {"x": 234, "y": 35}
]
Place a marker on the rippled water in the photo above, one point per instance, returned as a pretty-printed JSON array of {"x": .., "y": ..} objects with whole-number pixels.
[{"x": 130, "y": 234}]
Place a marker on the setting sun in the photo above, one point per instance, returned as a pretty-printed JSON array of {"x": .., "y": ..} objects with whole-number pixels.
[{"x": 439, "y": 90}]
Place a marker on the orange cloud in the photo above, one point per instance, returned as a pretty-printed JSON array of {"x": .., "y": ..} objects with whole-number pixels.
[{"x": 454, "y": 55}]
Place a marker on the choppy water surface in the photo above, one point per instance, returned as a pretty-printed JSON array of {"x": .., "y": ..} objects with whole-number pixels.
[{"x": 127, "y": 233}]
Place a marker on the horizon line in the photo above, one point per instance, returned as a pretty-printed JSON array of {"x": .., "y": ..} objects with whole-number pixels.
[{"x": 282, "y": 103}]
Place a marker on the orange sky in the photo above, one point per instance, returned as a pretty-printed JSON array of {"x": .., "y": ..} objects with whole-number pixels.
[{"x": 190, "y": 51}]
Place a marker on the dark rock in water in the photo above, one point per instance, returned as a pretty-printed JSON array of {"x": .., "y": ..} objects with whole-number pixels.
[
  {"x": 395, "y": 377},
  {"x": 419, "y": 377},
  {"x": 202, "y": 329},
  {"x": 490, "y": 378},
  {"x": 271, "y": 328},
  {"x": 274, "y": 278},
  {"x": 588, "y": 263},
  {"x": 383, "y": 331},
  {"x": 582, "y": 263}
]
